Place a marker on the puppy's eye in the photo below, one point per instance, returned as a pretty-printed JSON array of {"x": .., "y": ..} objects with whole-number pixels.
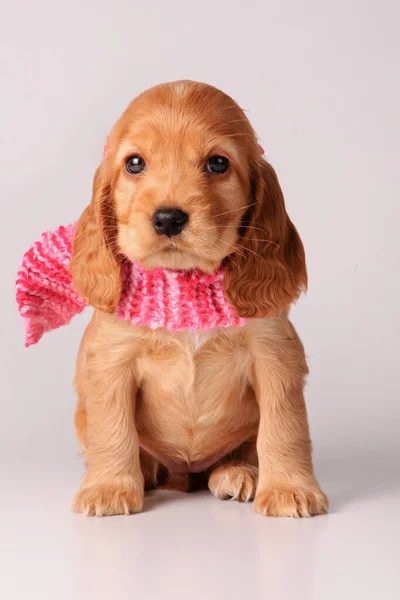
[
  {"x": 217, "y": 165},
  {"x": 134, "y": 164}
]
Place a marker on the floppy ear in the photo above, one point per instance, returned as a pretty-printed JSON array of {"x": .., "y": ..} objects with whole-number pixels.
[
  {"x": 268, "y": 272},
  {"x": 94, "y": 265}
]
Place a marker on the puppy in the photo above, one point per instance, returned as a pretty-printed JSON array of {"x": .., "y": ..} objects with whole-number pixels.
[{"x": 224, "y": 407}]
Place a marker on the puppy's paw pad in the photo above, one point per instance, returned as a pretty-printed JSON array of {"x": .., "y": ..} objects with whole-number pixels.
[
  {"x": 285, "y": 501},
  {"x": 103, "y": 500},
  {"x": 234, "y": 482}
]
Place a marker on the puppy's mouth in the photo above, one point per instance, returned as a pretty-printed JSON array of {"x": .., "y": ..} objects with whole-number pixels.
[
  {"x": 176, "y": 252},
  {"x": 178, "y": 256},
  {"x": 173, "y": 245},
  {"x": 169, "y": 244}
]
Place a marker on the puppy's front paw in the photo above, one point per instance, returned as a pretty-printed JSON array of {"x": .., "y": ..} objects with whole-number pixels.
[
  {"x": 106, "y": 500},
  {"x": 234, "y": 482},
  {"x": 288, "y": 501}
]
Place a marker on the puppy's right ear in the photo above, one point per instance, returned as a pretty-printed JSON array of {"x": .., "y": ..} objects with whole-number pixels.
[{"x": 94, "y": 265}]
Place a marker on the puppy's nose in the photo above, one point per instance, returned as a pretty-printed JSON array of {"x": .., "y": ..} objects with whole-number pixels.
[{"x": 169, "y": 221}]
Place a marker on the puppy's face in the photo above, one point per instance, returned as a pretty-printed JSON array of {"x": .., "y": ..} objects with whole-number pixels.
[
  {"x": 180, "y": 171},
  {"x": 183, "y": 185}
]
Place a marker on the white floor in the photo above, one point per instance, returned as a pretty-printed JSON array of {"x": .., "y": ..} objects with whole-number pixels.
[{"x": 194, "y": 546}]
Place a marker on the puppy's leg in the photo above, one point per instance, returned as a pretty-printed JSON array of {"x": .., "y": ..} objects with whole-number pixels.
[
  {"x": 235, "y": 478},
  {"x": 179, "y": 482},
  {"x": 80, "y": 384},
  {"x": 287, "y": 486},
  {"x": 80, "y": 419},
  {"x": 114, "y": 482},
  {"x": 150, "y": 468}
]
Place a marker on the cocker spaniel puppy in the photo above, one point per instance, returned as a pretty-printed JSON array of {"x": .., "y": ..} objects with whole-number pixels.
[{"x": 183, "y": 186}]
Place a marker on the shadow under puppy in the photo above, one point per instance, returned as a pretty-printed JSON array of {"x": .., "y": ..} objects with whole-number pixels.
[{"x": 183, "y": 186}]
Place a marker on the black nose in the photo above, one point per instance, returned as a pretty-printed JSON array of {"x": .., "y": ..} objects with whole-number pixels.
[{"x": 169, "y": 221}]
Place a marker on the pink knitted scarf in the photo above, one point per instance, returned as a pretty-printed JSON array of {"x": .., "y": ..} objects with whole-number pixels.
[{"x": 175, "y": 300}]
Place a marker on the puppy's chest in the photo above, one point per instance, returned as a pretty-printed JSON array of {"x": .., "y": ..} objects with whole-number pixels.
[
  {"x": 191, "y": 366},
  {"x": 195, "y": 399},
  {"x": 196, "y": 339},
  {"x": 176, "y": 364}
]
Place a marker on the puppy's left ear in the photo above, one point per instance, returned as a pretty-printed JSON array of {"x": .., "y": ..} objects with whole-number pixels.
[
  {"x": 268, "y": 272},
  {"x": 95, "y": 264}
]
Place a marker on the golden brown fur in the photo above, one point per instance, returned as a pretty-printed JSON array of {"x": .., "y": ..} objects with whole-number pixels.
[{"x": 180, "y": 409}]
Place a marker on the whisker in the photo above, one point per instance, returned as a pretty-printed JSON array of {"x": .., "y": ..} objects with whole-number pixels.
[
  {"x": 234, "y": 246},
  {"x": 240, "y": 246},
  {"x": 214, "y": 245},
  {"x": 247, "y": 227},
  {"x": 266, "y": 241},
  {"x": 225, "y": 226},
  {"x": 235, "y": 210}
]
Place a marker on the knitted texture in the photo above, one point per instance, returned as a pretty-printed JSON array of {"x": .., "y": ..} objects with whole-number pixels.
[{"x": 173, "y": 299}]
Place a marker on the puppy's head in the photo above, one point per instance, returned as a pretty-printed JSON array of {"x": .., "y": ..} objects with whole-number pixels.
[{"x": 183, "y": 185}]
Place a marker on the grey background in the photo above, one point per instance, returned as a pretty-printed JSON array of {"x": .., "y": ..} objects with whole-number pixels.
[{"x": 320, "y": 82}]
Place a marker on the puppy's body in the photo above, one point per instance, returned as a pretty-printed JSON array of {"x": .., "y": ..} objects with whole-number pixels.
[
  {"x": 194, "y": 401},
  {"x": 155, "y": 406}
]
